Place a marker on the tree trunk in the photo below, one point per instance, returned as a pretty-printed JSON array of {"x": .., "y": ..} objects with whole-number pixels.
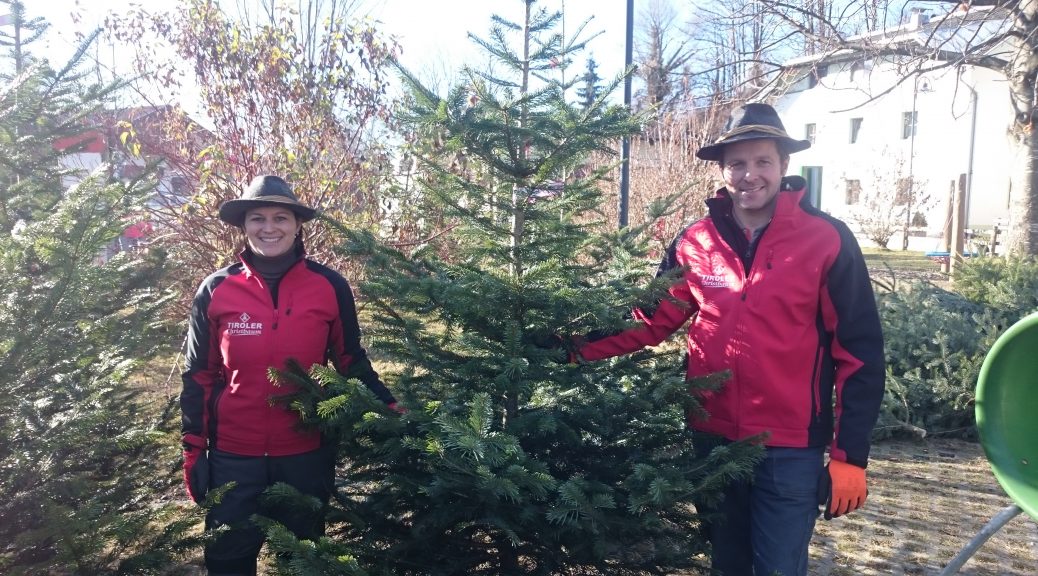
[
  {"x": 507, "y": 554},
  {"x": 1022, "y": 237}
]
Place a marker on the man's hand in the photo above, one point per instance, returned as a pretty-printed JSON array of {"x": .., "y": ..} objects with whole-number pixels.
[
  {"x": 196, "y": 467},
  {"x": 566, "y": 346},
  {"x": 575, "y": 344},
  {"x": 847, "y": 489}
]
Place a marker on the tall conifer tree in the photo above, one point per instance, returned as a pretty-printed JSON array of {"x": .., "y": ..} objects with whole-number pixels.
[
  {"x": 78, "y": 450},
  {"x": 511, "y": 460},
  {"x": 591, "y": 88}
]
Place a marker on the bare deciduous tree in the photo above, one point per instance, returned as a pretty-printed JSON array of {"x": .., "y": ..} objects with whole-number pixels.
[
  {"x": 885, "y": 204},
  {"x": 299, "y": 93},
  {"x": 1000, "y": 35},
  {"x": 662, "y": 53}
]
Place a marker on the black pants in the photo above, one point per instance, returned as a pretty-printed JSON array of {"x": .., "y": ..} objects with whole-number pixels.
[{"x": 236, "y": 550}]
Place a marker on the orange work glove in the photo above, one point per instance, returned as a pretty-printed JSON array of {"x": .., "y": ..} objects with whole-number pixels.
[{"x": 847, "y": 489}]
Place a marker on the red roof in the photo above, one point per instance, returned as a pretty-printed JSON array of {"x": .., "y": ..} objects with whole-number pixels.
[{"x": 93, "y": 141}]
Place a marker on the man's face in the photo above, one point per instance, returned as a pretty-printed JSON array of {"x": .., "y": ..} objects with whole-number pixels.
[{"x": 752, "y": 171}]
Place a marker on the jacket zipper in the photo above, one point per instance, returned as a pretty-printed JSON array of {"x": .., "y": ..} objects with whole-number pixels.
[
  {"x": 214, "y": 419},
  {"x": 816, "y": 382}
]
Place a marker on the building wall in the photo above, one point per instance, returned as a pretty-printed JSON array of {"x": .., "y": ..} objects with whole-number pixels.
[
  {"x": 171, "y": 190},
  {"x": 962, "y": 121}
]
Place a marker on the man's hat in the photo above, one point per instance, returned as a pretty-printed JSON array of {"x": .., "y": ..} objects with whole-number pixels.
[
  {"x": 750, "y": 122},
  {"x": 264, "y": 191}
]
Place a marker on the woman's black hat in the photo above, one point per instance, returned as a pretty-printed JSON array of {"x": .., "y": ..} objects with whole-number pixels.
[{"x": 264, "y": 190}]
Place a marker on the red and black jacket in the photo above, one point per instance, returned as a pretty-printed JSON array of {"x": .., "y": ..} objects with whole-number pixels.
[
  {"x": 236, "y": 332},
  {"x": 792, "y": 315}
]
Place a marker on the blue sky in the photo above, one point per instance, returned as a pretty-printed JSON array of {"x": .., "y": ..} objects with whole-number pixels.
[{"x": 431, "y": 34}]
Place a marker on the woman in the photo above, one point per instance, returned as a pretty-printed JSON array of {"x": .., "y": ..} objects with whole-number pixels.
[{"x": 272, "y": 306}]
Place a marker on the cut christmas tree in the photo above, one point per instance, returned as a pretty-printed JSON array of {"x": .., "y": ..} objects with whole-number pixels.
[{"x": 511, "y": 459}]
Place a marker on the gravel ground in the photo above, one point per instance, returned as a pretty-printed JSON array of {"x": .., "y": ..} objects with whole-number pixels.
[{"x": 927, "y": 500}]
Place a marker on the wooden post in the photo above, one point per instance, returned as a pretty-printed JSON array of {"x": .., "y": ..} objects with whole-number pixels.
[
  {"x": 947, "y": 236},
  {"x": 994, "y": 240},
  {"x": 958, "y": 224}
]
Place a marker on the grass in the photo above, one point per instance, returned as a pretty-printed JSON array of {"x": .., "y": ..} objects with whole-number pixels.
[
  {"x": 899, "y": 260},
  {"x": 888, "y": 268}
]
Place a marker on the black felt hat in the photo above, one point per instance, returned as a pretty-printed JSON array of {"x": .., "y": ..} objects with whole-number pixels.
[
  {"x": 750, "y": 122},
  {"x": 264, "y": 191}
]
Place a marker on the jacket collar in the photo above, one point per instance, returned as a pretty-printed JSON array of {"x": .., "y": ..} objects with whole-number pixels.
[
  {"x": 246, "y": 254},
  {"x": 790, "y": 197}
]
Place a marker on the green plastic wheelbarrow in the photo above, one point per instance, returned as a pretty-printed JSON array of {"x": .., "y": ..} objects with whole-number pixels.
[{"x": 1007, "y": 418}]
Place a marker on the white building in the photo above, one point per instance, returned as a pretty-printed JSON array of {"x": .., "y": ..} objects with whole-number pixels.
[
  {"x": 877, "y": 130},
  {"x": 111, "y": 142}
]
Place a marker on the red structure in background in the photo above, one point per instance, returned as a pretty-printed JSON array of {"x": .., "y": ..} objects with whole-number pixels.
[
  {"x": 128, "y": 139},
  {"x": 93, "y": 141}
]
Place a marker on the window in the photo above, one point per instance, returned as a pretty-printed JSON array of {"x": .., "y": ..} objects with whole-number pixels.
[
  {"x": 178, "y": 185},
  {"x": 813, "y": 175},
  {"x": 815, "y": 75},
  {"x": 810, "y": 131},
  {"x": 855, "y": 129},
  {"x": 853, "y": 192},
  {"x": 908, "y": 124},
  {"x": 130, "y": 171},
  {"x": 857, "y": 71}
]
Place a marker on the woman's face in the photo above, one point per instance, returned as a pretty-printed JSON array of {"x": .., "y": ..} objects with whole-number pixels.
[{"x": 271, "y": 230}]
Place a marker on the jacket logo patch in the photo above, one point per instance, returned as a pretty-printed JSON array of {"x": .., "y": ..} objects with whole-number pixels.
[
  {"x": 718, "y": 278},
  {"x": 244, "y": 327}
]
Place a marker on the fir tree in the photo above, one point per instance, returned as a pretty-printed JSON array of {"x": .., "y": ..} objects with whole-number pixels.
[
  {"x": 592, "y": 85},
  {"x": 512, "y": 460},
  {"x": 24, "y": 30},
  {"x": 78, "y": 449}
]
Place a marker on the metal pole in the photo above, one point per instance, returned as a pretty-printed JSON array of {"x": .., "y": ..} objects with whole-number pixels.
[
  {"x": 986, "y": 532},
  {"x": 625, "y": 148},
  {"x": 973, "y": 140},
  {"x": 911, "y": 160}
]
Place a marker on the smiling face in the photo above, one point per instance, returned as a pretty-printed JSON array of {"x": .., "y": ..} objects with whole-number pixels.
[
  {"x": 271, "y": 230},
  {"x": 752, "y": 171}
]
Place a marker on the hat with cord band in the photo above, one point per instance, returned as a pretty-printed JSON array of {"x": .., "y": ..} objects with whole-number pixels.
[
  {"x": 265, "y": 190},
  {"x": 753, "y": 121}
]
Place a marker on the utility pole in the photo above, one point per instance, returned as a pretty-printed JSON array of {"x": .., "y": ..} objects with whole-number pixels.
[
  {"x": 911, "y": 159},
  {"x": 625, "y": 148}
]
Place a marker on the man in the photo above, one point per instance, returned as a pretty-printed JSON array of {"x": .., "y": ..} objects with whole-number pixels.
[{"x": 781, "y": 297}]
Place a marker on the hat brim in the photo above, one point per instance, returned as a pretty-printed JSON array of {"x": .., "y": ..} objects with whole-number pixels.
[
  {"x": 714, "y": 152},
  {"x": 233, "y": 211}
]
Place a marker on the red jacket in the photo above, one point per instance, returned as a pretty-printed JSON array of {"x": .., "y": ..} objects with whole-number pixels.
[
  {"x": 236, "y": 333},
  {"x": 796, "y": 327}
]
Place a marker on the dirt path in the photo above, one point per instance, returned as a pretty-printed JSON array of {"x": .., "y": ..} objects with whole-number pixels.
[{"x": 927, "y": 500}]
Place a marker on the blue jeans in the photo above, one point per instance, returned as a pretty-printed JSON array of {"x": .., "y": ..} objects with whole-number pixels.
[{"x": 763, "y": 527}]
